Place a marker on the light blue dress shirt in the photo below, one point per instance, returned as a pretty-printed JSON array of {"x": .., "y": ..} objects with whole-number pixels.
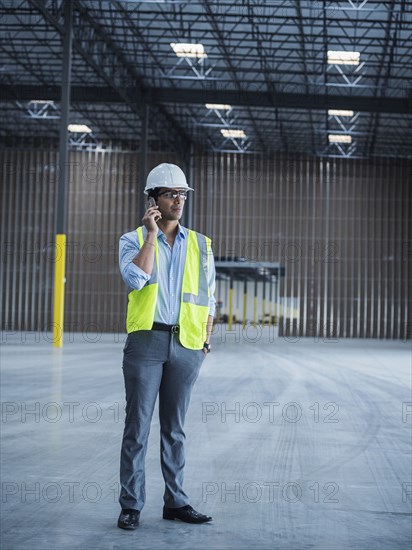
[{"x": 171, "y": 266}]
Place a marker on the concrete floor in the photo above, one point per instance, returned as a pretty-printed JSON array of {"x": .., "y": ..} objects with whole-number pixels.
[{"x": 290, "y": 445}]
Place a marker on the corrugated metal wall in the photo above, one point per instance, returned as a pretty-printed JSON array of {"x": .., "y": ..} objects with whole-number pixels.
[
  {"x": 340, "y": 228},
  {"x": 104, "y": 200}
]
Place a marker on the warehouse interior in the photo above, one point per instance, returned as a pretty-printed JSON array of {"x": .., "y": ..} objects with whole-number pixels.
[{"x": 292, "y": 122}]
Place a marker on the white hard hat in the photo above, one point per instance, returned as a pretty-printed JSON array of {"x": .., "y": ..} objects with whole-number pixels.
[{"x": 166, "y": 175}]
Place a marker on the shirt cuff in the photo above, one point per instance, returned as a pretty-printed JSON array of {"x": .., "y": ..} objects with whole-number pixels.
[
  {"x": 135, "y": 277},
  {"x": 212, "y": 307}
]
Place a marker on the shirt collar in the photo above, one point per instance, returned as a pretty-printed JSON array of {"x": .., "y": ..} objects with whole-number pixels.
[{"x": 181, "y": 231}]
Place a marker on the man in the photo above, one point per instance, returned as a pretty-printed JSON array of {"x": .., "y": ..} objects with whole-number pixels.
[{"x": 171, "y": 278}]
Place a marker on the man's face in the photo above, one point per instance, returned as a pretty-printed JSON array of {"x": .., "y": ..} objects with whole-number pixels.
[{"x": 170, "y": 208}]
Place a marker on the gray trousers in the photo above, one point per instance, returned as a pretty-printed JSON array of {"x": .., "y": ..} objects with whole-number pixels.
[{"x": 155, "y": 363}]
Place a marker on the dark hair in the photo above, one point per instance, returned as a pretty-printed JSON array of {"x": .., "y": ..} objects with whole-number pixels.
[{"x": 154, "y": 193}]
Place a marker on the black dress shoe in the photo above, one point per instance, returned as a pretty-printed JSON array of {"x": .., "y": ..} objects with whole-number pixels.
[
  {"x": 185, "y": 513},
  {"x": 128, "y": 519}
]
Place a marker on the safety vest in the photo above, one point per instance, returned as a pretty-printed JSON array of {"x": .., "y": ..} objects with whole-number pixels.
[{"x": 194, "y": 301}]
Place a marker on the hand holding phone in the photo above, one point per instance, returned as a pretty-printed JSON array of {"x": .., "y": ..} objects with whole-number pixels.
[
  {"x": 150, "y": 202},
  {"x": 151, "y": 216}
]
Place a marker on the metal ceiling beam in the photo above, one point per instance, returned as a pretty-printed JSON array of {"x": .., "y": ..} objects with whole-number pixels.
[
  {"x": 162, "y": 123},
  {"x": 269, "y": 10},
  {"x": 43, "y": 76},
  {"x": 301, "y": 35},
  {"x": 128, "y": 73},
  {"x": 102, "y": 94},
  {"x": 45, "y": 122},
  {"x": 381, "y": 68},
  {"x": 271, "y": 86},
  {"x": 224, "y": 50},
  {"x": 142, "y": 41}
]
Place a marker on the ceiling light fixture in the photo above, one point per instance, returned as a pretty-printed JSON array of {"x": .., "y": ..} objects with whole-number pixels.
[
  {"x": 188, "y": 50},
  {"x": 42, "y": 101},
  {"x": 227, "y": 133},
  {"x": 339, "y": 138},
  {"x": 79, "y": 129},
  {"x": 343, "y": 58},
  {"x": 339, "y": 112},
  {"x": 218, "y": 106}
]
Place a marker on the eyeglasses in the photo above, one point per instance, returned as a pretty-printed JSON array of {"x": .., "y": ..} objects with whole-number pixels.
[{"x": 173, "y": 194}]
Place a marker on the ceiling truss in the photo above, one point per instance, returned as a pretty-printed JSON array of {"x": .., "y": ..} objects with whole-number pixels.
[{"x": 267, "y": 59}]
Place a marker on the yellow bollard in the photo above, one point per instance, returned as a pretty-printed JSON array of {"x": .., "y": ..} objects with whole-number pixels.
[
  {"x": 255, "y": 304},
  {"x": 244, "y": 305},
  {"x": 230, "y": 305},
  {"x": 59, "y": 275}
]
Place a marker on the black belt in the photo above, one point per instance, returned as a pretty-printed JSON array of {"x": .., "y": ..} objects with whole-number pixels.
[{"x": 167, "y": 328}]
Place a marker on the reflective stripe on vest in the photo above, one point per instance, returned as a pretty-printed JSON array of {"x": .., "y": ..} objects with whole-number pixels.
[{"x": 194, "y": 303}]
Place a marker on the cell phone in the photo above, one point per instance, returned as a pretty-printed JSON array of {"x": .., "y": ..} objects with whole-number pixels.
[{"x": 150, "y": 202}]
